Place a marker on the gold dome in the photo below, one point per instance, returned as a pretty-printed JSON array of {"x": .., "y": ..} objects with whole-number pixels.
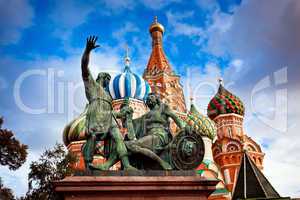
[{"x": 155, "y": 26}]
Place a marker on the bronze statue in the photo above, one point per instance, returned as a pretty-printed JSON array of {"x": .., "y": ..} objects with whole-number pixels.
[
  {"x": 101, "y": 123},
  {"x": 148, "y": 143},
  {"x": 153, "y": 131}
]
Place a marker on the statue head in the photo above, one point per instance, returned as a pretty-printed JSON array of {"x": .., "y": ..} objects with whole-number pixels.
[
  {"x": 103, "y": 79},
  {"x": 152, "y": 100},
  {"x": 188, "y": 148}
]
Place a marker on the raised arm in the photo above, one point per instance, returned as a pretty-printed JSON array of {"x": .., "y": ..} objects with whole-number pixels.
[
  {"x": 90, "y": 45},
  {"x": 86, "y": 75}
]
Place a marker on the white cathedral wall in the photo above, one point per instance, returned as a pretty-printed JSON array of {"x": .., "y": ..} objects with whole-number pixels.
[{"x": 208, "y": 149}]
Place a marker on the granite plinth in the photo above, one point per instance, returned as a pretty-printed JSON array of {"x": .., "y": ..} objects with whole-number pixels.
[{"x": 153, "y": 185}]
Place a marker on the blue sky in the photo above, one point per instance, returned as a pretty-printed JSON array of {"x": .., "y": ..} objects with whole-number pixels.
[{"x": 253, "y": 45}]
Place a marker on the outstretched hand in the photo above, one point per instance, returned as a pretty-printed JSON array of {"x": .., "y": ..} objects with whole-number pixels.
[{"x": 91, "y": 43}]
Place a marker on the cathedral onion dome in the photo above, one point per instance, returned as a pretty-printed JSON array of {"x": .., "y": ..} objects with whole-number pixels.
[
  {"x": 129, "y": 85},
  {"x": 224, "y": 102},
  {"x": 75, "y": 130},
  {"x": 200, "y": 123},
  {"x": 155, "y": 26}
]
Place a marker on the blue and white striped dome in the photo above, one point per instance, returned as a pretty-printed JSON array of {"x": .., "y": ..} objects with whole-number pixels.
[{"x": 129, "y": 85}]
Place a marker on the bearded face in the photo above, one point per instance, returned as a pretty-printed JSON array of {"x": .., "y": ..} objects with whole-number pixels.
[
  {"x": 151, "y": 101},
  {"x": 106, "y": 82}
]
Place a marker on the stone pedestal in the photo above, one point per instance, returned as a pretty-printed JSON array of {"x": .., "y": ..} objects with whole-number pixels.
[{"x": 125, "y": 187}]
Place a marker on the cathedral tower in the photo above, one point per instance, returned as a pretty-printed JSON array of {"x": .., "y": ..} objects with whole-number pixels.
[
  {"x": 227, "y": 111},
  {"x": 162, "y": 79}
]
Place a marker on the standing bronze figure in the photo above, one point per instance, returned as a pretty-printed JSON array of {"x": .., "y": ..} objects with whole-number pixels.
[{"x": 101, "y": 121}]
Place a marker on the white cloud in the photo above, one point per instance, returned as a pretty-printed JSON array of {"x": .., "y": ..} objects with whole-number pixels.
[
  {"x": 69, "y": 14},
  {"x": 179, "y": 27},
  {"x": 128, "y": 27},
  {"x": 216, "y": 25},
  {"x": 158, "y": 4},
  {"x": 201, "y": 84},
  {"x": 117, "y": 6},
  {"x": 209, "y": 5},
  {"x": 257, "y": 32},
  {"x": 221, "y": 22},
  {"x": 281, "y": 163},
  {"x": 13, "y": 24},
  {"x": 104, "y": 59},
  {"x": 238, "y": 64}
]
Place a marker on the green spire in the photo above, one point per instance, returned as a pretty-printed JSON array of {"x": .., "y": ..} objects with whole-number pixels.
[{"x": 193, "y": 109}]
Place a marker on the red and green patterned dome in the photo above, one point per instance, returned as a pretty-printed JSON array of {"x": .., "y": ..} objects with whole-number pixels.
[
  {"x": 201, "y": 124},
  {"x": 224, "y": 102}
]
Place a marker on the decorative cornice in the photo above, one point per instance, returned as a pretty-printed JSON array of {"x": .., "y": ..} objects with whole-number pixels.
[{"x": 227, "y": 115}]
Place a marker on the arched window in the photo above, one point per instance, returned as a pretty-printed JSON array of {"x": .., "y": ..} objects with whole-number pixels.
[
  {"x": 234, "y": 159},
  {"x": 216, "y": 152},
  {"x": 232, "y": 147},
  {"x": 226, "y": 160},
  {"x": 250, "y": 147}
]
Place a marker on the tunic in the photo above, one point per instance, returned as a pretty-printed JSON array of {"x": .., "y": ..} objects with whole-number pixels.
[{"x": 99, "y": 113}]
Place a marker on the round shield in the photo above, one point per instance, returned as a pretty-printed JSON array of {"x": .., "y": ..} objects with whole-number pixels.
[{"x": 187, "y": 150}]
